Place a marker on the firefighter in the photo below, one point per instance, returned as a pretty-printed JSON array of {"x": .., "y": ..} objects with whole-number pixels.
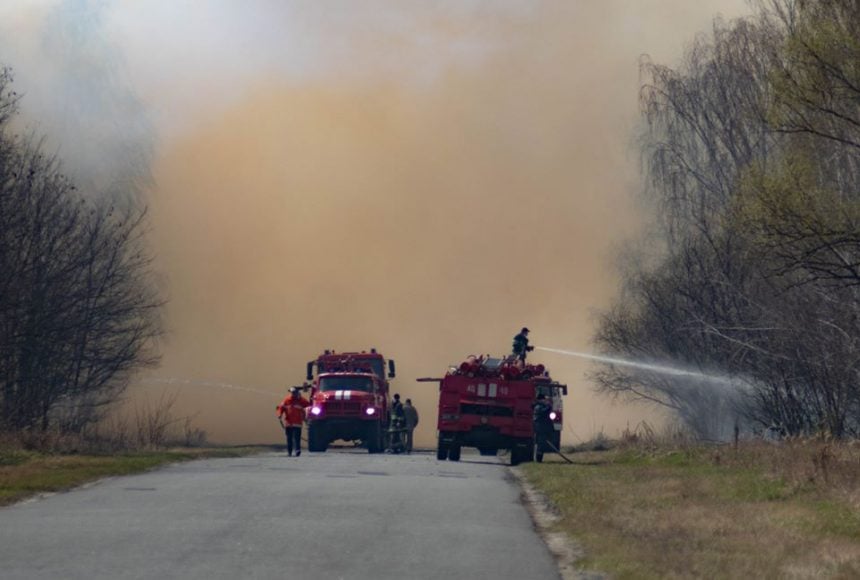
[
  {"x": 410, "y": 417},
  {"x": 542, "y": 425},
  {"x": 521, "y": 344},
  {"x": 396, "y": 428},
  {"x": 291, "y": 414}
]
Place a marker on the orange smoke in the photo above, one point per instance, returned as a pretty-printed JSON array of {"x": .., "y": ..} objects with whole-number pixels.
[{"x": 427, "y": 219}]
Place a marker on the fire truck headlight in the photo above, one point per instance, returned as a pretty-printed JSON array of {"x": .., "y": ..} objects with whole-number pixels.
[
  {"x": 316, "y": 411},
  {"x": 370, "y": 410},
  {"x": 553, "y": 415}
]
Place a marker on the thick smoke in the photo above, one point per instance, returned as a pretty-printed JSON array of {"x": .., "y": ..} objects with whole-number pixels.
[
  {"x": 76, "y": 95},
  {"x": 421, "y": 179}
]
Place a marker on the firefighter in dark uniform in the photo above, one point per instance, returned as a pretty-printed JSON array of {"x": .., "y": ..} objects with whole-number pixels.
[
  {"x": 521, "y": 344},
  {"x": 396, "y": 443},
  {"x": 542, "y": 425},
  {"x": 410, "y": 417}
]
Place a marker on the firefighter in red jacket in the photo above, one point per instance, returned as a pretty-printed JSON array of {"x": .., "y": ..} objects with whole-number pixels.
[{"x": 291, "y": 414}]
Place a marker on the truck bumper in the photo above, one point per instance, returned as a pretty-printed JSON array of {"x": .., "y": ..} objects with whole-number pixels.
[
  {"x": 348, "y": 429},
  {"x": 482, "y": 437}
]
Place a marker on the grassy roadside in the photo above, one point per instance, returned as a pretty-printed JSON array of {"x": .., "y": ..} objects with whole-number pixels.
[
  {"x": 26, "y": 473},
  {"x": 761, "y": 511}
]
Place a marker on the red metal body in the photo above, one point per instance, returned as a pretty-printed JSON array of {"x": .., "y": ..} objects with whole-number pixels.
[
  {"x": 349, "y": 399},
  {"x": 487, "y": 403}
]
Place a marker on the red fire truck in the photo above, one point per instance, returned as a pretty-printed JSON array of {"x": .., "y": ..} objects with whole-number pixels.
[
  {"x": 349, "y": 399},
  {"x": 487, "y": 403}
]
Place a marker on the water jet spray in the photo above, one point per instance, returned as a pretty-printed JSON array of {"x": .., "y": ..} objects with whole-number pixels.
[
  {"x": 661, "y": 369},
  {"x": 196, "y": 383}
]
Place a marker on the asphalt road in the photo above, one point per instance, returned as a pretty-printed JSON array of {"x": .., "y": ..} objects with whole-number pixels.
[{"x": 340, "y": 514}]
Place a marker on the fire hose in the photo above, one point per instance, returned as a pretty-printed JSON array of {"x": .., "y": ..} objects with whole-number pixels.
[{"x": 557, "y": 450}]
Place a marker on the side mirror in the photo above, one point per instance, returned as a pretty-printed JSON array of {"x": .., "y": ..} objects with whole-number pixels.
[
  {"x": 391, "y": 369},
  {"x": 310, "y": 371}
]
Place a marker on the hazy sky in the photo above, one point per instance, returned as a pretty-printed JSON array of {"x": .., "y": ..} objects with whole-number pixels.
[{"x": 422, "y": 177}]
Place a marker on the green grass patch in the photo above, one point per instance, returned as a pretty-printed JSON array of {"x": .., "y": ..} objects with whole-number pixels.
[
  {"x": 24, "y": 474},
  {"x": 833, "y": 518},
  {"x": 14, "y": 457},
  {"x": 748, "y": 485}
]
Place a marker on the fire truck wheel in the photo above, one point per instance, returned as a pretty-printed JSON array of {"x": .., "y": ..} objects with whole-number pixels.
[
  {"x": 374, "y": 439},
  {"x": 316, "y": 438},
  {"x": 444, "y": 446},
  {"x": 521, "y": 452},
  {"x": 454, "y": 453}
]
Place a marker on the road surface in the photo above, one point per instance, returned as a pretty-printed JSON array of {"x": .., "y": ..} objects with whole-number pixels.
[{"x": 340, "y": 514}]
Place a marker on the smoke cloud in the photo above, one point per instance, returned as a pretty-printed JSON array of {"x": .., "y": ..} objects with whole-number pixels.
[{"x": 420, "y": 178}]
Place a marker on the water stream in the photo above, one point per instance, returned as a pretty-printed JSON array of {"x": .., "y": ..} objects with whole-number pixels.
[
  {"x": 657, "y": 368},
  {"x": 219, "y": 385}
]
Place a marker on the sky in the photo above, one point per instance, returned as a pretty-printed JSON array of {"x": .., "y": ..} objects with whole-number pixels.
[{"x": 420, "y": 177}]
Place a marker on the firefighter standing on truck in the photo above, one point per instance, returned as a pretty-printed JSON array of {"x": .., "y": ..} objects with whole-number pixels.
[
  {"x": 521, "y": 344},
  {"x": 291, "y": 414},
  {"x": 542, "y": 423}
]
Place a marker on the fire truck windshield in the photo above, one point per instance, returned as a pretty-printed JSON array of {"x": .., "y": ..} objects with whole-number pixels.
[
  {"x": 377, "y": 366},
  {"x": 346, "y": 384}
]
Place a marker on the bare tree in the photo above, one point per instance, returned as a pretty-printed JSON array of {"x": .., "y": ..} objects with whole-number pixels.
[{"x": 78, "y": 311}]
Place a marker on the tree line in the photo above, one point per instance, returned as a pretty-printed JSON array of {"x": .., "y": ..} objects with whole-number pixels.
[
  {"x": 751, "y": 270},
  {"x": 79, "y": 311}
]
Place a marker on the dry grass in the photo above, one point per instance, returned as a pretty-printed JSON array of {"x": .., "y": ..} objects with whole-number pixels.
[
  {"x": 645, "y": 509},
  {"x": 145, "y": 437},
  {"x": 146, "y": 426}
]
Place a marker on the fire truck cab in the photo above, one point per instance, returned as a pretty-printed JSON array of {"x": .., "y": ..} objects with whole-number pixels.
[{"x": 349, "y": 399}]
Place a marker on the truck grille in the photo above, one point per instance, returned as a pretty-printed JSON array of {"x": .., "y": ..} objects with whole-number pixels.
[
  {"x": 343, "y": 408},
  {"x": 486, "y": 410}
]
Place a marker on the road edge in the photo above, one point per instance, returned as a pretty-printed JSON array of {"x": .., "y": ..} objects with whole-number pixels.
[{"x": 544, "y": 515}]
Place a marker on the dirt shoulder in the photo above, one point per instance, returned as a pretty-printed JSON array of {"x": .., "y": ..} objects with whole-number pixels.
[
  {"x": 24, "y": 474},
  {"x": 761, "y": 511},
  {"x": 546, "y": 517}
]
